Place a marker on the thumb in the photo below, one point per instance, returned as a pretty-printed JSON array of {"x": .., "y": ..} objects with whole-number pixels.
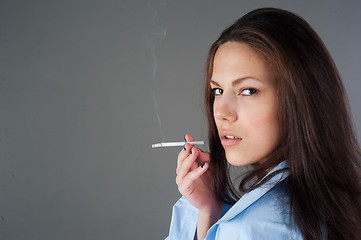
[{"x": 188, "y": 138}]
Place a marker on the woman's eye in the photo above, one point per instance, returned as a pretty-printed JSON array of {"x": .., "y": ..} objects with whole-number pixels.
[
  {"x": 217, "y": 91},
  {"x": 248, "y": 91}
]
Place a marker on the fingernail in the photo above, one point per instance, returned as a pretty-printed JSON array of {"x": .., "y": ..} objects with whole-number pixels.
[{"x": 203, "y": 165}]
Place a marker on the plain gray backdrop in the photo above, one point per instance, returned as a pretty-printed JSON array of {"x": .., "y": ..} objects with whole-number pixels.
[{"x": 86, "y": 87}]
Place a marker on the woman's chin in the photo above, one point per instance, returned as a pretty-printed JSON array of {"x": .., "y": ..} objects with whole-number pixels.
[{"x": 236, "y": 160}]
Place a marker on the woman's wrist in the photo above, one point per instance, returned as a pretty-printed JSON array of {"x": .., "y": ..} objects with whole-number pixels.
[
  {"x": 214, "y": 212},
  {"x": 212, "y": 209},
  {"x": 207, "y": 218}
]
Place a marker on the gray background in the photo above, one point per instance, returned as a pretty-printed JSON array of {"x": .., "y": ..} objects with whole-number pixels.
[{"x": 82, "y": 85}]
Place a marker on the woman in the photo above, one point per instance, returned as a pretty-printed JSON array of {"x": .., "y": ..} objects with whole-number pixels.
[{"x": 274, "y": 101}]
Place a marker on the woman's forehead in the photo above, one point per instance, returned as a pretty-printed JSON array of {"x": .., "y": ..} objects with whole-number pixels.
[{"x": 236, "y": 61}]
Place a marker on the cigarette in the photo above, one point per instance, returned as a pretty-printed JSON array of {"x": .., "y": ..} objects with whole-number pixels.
[{"x": 175, "y": 144}]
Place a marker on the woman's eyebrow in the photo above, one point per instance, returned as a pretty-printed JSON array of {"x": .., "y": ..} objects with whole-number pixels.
[
  {"x": 215, "y": 83},
  {"x": 237, "y": 81},
  {"x": 240, "y": 80}
]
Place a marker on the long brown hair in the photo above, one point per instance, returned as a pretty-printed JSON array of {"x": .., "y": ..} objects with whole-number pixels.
[{"x": 318, "y": 141}]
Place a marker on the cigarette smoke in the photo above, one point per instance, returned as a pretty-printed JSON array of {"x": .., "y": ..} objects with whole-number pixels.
[{"x": 154, "y": 39}]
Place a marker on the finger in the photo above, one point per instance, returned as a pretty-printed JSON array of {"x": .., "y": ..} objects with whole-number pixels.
[
  {"x": 189, "y": 179},
  {"x": 187, "y": 164},
  {"x": 201, "y": 156},
  {"x": 183, "y": 154},
  {"x": 188, "y": 138}
]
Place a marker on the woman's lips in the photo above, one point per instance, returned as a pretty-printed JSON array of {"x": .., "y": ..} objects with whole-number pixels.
[
  {"x": 229, "y": 139},
  {"x": 230, "y": 142}
]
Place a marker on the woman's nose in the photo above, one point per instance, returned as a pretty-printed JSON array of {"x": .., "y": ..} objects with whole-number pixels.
[{"x": 224, "y": 110}]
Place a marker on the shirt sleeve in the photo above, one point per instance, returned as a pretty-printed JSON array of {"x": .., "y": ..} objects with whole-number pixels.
[{"x": 184, "y": 221}]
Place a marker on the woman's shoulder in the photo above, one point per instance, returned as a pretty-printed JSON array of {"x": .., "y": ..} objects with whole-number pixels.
[
  {"x": 273, "y": 206},
  {"x": 266, "y": 218}
]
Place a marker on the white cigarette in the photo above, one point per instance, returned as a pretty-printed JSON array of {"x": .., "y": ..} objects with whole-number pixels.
[{"x": 175, "y": 144}]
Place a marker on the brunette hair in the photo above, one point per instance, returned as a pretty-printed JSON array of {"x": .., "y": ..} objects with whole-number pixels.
[{"x": 318, "y": 141}]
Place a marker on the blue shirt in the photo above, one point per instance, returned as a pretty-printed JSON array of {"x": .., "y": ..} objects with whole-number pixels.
[{"x": 262, "y": 213}]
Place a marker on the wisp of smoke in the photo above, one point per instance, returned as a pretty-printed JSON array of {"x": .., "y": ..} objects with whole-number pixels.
[{"x": 154, "y": 38}]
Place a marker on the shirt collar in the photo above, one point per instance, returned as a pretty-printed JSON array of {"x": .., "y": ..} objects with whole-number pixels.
[{"x": 252, "y": 196}]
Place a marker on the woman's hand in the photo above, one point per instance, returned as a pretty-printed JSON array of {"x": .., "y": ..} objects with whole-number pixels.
[{"x": 194, "y": 179}]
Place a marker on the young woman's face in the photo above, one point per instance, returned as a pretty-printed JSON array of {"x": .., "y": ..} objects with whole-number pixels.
[{"x": 245, "y": 104}]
